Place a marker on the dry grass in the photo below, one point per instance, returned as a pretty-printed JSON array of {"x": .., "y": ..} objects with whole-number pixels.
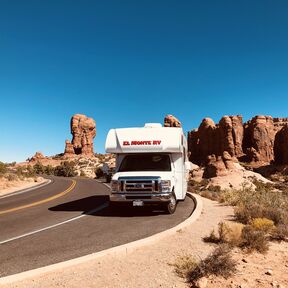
[
  {"x": 183, "y": 265},
  {"x": 264, "y": 202},
  {"x": 218, "y": 263},
  {"x": 254, "y": 240}
]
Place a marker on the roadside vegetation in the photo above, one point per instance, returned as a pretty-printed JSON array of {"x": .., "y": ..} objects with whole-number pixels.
[
  {"x": 66, "y": 169},
  {"x": 11, "y": 172},
  {"x": 261, "y": 216}
]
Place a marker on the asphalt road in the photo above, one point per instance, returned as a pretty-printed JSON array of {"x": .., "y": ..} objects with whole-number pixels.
[{"x": 68, "y": 218}]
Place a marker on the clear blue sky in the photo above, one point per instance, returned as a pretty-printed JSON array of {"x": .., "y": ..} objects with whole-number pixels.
[{"x": 125, "y": 63}]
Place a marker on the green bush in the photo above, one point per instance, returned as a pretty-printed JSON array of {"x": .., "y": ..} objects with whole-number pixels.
[
  {"x": 49, "y": 170},
  {"x": 66, "y": 169},
  {"x": 3, "y": 168},
  {"x": 39, "y": 168}
]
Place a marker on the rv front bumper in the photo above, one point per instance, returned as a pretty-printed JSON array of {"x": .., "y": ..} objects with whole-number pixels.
[{"x": 146, "y": 198}]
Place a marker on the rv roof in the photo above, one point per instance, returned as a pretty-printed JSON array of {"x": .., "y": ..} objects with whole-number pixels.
[{"x": 143, "y": 140}]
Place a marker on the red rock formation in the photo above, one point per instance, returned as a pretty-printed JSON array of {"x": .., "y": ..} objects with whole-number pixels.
[
  {"x": 281, "y": 146},
  {"x": 231, "y": 135},
  {"x": 252, "y": 142},
  {"x": 259, "y": 138},
  {"x": 83, "y": 130},
  {"x": 214, "y": 139},
  {"x": 218, "y": 165},
  {"x": 69, "y": 149},
  {"x": 171, "y": 121},
  {"x": 37, "y": 157}
]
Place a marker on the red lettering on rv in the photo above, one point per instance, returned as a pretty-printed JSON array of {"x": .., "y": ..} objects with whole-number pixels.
[{"x": 154, "y": 142}]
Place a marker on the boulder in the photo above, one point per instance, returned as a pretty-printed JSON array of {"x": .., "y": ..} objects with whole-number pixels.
[{"x": 171, "y": 121}]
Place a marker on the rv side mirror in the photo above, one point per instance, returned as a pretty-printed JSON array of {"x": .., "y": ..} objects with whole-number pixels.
[{"x": 188, "y": 165}]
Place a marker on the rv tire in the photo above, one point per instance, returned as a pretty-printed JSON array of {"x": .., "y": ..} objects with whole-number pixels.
[{"x": 172, "y": 205}]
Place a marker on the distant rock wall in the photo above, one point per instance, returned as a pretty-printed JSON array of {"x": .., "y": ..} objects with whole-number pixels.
[{"x": 260, "y": 140}]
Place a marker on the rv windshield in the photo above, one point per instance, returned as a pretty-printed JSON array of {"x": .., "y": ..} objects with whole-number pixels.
[{"x": 146, "y": 162}]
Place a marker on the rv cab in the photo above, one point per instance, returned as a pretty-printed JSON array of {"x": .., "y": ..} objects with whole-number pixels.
[{"x": 151, "y": 166}]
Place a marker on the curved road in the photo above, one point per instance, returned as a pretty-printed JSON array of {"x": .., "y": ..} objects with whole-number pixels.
[{"x": 69, "y": 218}]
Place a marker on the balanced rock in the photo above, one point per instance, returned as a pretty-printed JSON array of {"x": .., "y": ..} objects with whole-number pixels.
[{"x": 83, "y": 130}]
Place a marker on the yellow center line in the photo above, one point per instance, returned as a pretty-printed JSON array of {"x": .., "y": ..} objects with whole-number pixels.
[{"x": 69, "y": 189}]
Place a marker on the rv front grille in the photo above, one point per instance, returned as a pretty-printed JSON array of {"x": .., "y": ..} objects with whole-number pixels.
[{"x": 142, "y": 185}]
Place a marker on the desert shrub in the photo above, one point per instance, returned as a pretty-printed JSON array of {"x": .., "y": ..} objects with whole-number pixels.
[
  {"x": 254, "y": 240},
  {"x": 212, "y": 238},
  {"x": 49, "y": 170},
  {"x": 82, "y": 173},
  {"x": 262, "y": 224},
  {"x": 228, "y": 232},
  {"x": 264, "y": 202},
  {"x": 11, "y": 177},
  {"x": 29, "y": 172},
  {"x": 209, "y": 195},
  {"x": 99, "y": 172},
  {"x": 218, "y": 263},
  {"x": 66, "y": 169},
  {"x": 230, "y": 196},
  {"x": 280, "y": 233},
  {"x": 25, "y": 171},
  {"x": 184, "y": 265},
  {"x": 214, "y": 188},
  {"x": 39, "y": 168},
  {"x": 3, "y": 168}
]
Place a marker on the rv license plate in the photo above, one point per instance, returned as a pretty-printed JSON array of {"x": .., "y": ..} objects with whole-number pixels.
[{"x": 138, "y": 203}]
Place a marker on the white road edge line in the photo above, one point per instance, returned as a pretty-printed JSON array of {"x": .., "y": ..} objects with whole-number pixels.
[
  {"x": 106, "y": 204},
  {"x": 26, "y": 190}
]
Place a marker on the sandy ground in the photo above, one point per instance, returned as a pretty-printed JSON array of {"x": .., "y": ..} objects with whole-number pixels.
[
  {"x": 7, "y": 187},
  {"x": 253, "y": 268},
  {"x": 149, "y": 266}
]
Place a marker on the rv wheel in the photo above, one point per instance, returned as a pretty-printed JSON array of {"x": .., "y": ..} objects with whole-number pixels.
[{"x": 171, "y": 206}]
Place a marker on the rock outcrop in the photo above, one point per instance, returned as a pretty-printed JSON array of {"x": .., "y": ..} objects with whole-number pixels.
[
  {"x": 219, "y": 165},
  {"x": 83, "y": 130},
  {"x": 259, "y": 139},
  {"x": 215, "y": 139},
  {"x": 250, "y": 142},
  {"x": 171, "y": 121},
  {"x": 37, "y": 157},
  {"x": 281, "y": 146}
]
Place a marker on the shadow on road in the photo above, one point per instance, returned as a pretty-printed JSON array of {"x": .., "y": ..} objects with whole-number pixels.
[{"x": 92, "y": 202}]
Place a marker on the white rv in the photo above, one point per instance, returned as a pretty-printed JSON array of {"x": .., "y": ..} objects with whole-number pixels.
[{"x": 151, "y": 165}]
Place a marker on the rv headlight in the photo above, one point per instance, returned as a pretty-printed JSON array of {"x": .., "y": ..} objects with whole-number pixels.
[
  {"x": 114, "y": 186},
  {"x": 165, "y": 186}
]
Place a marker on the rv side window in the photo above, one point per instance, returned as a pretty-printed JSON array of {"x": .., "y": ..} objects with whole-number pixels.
[{"x": 146, "y": 162}]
